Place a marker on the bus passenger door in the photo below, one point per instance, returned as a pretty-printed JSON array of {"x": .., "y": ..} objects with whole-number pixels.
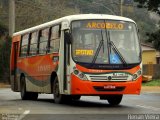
[
  {"x": 14, "y": 81},
  {"x": 64, "y": 67},
  {"x": 66, "y": 62}
]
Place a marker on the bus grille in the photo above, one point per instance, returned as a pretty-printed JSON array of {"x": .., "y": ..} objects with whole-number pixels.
[{"x": 109, "y": 78}]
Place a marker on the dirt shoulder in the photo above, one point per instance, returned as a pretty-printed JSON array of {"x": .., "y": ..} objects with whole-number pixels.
[
  {"x": 3, "y": 85},
  {"x": 151, "y": 89}
]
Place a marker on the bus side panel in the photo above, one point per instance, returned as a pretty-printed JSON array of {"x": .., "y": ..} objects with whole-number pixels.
[
  {"x": 37, "y": 71},
  {"x": 13, "y": 63}
]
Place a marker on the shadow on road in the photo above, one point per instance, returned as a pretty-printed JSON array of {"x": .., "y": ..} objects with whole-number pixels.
[{"x": 81, "y": 103}]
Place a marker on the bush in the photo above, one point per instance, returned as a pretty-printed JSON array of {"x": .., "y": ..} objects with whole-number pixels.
[{"x": 5, "y": 45}]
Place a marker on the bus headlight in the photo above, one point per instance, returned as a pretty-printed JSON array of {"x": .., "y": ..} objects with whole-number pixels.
[
  {"x": 76, "y": 72},
  {"x": 137, "y": 75},
  {"x": 139, "y": 72},
  {"x": 80, "y": 75}
]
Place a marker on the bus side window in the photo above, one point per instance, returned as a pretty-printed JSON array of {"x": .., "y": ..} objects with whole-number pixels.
[
  {"x": 24, "y": 45},
  {"x": 54, "y": 39},
  {"x": 44, "y": 35},
  {"x": 33, "y": 43}
]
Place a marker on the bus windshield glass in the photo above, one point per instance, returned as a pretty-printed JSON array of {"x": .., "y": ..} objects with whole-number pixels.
[{"x": 105, "y": 42}]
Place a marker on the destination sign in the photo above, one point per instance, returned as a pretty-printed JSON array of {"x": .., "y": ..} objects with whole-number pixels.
[{"x": 105, "y": 25}]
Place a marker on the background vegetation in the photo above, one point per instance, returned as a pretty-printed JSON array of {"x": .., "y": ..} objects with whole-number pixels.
[
  {"x": 5, "y": 45},
  {"x": 152, "y": 83}
]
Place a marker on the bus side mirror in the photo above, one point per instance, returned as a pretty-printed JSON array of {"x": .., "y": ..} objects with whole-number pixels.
[{"x": 67, "y": 37}]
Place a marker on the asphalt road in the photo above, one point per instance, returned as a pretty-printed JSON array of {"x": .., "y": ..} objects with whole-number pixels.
[{"x": 144, "y": 106}]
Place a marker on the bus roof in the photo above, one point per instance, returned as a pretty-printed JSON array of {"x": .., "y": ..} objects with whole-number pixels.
[{"x": 72, "y": 18}]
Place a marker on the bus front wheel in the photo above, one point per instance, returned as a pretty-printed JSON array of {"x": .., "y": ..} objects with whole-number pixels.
[
  {"x": 114, "y": 99},
  {"x": 24, "y": 94},
  {"x": 76, "y": 97},
  {"x": 58, "y": 98}
]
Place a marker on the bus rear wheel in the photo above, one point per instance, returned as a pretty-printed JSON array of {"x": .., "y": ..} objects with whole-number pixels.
[
  {"x": 24, "y": 94},
  {"x": 114, "y": 99}
]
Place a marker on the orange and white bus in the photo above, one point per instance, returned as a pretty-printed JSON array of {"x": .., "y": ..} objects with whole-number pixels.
[{"x": 77, "y": 55}]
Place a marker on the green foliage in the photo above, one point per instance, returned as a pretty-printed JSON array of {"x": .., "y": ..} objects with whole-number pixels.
[
  {"x": 152, "y": 83},
  {"x": 3, "y": 29},
  {"x": 35, "y": 12},
  {"x": 155, "y": 39},
  {"x": 4, "y": 60},
  {"x": 152, "y": 5},
  {"x": 5, "y": 45}
]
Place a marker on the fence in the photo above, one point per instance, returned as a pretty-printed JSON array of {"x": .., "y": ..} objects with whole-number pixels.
[{"x": 152, "y": 69}]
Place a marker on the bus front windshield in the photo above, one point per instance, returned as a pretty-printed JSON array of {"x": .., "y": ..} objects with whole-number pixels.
[{"x": 105, "y": 42}]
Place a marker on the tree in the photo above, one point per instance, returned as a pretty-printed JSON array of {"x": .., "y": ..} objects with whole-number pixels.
[
  {"x": 5, "y": 45},
  {"x": 151, "y": 5},
  {"x": 34, "y": 12},
  {"x": 154, "y": 6},
  {"x": 154, "y": 38},
  {"x": 3, "y": 30}
]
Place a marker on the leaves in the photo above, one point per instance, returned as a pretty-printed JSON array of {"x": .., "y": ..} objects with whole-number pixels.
[
  {"x": 35, "y": 12},
  {"x": 4, "y": 54},
  {"x": 151, "y": 5},
  {"x": 3, "y": 30},
  {"x": 154, "y": 38}
]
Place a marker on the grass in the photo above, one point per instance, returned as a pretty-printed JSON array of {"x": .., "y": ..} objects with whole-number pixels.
[{"x": 152, "y": 83}]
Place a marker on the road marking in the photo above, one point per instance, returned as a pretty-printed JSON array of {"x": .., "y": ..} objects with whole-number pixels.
[
  {"x": 149, "y": 107},
  {"x": 26, "y": 112}
]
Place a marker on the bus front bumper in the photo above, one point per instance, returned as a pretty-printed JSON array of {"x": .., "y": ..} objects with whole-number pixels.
[{"x": 81, "y": 87}]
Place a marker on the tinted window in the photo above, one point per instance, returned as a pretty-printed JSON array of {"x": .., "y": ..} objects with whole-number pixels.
[
  {"x": 55, "y": 39},
  {"x": 33, "y": 43},
  {"x": 24, "y": 45},
  {"x": 43, "y": 41}
]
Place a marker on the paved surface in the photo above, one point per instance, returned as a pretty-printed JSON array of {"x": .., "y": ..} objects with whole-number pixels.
[{"x": 90, "y": 108}]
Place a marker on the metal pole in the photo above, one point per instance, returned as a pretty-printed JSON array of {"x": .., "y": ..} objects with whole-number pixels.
[
  {"x": 121, "y": 7},
  {"x": 11, "y": 17}
]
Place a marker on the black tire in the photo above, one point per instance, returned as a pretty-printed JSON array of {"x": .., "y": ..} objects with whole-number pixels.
[
  {"x": 24, "y": 94},
  {"x": 114, "y": 99},
  {"x": 76, "y": 97},
  {"x": 58, "y": 98}
]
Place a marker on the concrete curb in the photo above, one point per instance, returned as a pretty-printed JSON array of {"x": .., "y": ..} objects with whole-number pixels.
[{"x": 2, "y": 85}]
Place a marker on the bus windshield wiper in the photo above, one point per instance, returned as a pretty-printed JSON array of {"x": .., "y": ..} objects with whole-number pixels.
[
  {"x": 97, "y": 52},
  {"x": 117, "y": 52},
  {"x": 98, "y": 49}
]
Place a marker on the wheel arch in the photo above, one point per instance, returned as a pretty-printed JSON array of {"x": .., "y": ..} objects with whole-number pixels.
[
  {"x": 53, "y": 76},
  {"x": 21, "y": 75},
  {"x": 20, "y": 78}
]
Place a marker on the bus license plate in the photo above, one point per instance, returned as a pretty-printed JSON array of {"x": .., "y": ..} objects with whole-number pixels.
[{"x": 110, "y": 87}]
